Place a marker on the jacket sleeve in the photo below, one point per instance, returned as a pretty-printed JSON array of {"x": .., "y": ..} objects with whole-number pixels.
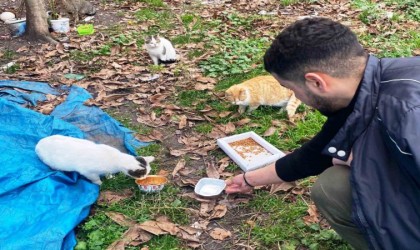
[
  {"x": 303, "y": 162},
  {"x": 408, "y": 143}
]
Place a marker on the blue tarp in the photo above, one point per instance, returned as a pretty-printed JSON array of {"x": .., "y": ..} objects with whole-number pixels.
[{"x": 39, "y": 207}]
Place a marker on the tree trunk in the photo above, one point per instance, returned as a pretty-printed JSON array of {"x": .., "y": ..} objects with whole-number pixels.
[{"x": 36, "y": 21}]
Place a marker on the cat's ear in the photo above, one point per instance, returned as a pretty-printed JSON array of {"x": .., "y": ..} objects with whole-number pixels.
[
  {"x": 242, "y": 94},
  {"x": 228, "y": 95},
  {"x": 147, "y": 39},
  {"x": 149, "y": 159}
]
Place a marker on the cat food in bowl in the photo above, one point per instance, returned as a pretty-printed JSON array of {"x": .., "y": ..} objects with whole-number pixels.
[
  {"x": 152, "y": 183},
  {"x": 209, "y": 187}
]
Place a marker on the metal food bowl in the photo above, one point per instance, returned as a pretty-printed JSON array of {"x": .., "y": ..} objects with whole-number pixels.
[{"x": 152, "y": 183}]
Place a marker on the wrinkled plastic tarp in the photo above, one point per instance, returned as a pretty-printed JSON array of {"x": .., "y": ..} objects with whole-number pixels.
[{"x": 39, "y": 207}]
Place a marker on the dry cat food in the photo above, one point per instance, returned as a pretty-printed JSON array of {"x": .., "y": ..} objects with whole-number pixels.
[
  {"x": 151, "y": 180},
  {"x": 249, "y": 149}
]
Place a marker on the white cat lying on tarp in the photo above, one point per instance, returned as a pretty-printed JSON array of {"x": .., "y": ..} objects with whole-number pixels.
[{"x": 89, "y": 159}]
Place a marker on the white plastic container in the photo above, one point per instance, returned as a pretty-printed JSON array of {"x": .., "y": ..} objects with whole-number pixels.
[
  {"x": 7, "y": 16},
  {"x": 268, "y": 155},
  {"x": 209, "y": 187},
  {"x": 17, "y": 27},
  {"x": 61, "y": 25}
]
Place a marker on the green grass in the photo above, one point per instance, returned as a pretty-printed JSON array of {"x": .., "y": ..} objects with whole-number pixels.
[
  {"x": 371, "y": 11},
  {"x": 151, "y": 149},
  {"x": 195, "y": 53},
  {"x": 99, "y": 231},
  {"x": 393, "y": 45},
  {"x": 291, "y": 2},
  {"x": 12, "y": 69},
  {"x": 81, "y": 56},
  {"x": 282, "y": 224},
  {"x": 302, "y": 132},
  {"x": 153, "y": 3},
  {"x": 127, "y": 121},
  {"x": 189, "y": 97},
  {"x": 8, "y": 55},
  {"x": 203, "y": 128},
  {"x": 237, "y": 56},
  {"x": 161, "y": 18}
]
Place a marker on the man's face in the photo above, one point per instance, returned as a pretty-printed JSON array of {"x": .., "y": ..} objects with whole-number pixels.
[{"x": 325, "y": 106}]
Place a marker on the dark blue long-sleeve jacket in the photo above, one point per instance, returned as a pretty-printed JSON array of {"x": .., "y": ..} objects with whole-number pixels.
[
  {"x": 381, "y": 126},
  {"x": 383, "y": 131}
]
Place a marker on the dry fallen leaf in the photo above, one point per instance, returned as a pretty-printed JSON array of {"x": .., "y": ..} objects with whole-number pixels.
[
  {"x": 117, "y": 245},
  {"x": 218, "y": 212},
  {"x": 186, "y": 236},
  {"x": 223, "y": 163},
  {"x": 152, "y": 227},
  {"x": 176, "y": 152},
  {"x": 206, "y": 208},
  {"x": 110, "y": 197},
  {"x": 220, "y": 234},
  {"x": 212, "y": 171},
  {"x": 200, "y": 86},
  {"x": 159, "y": 228},
  {"x": 206, "y": 80},
  {"x": 224, "y": 114},
  {"x": 284, "y": 186},
  {"x": 242, "y": 122},
  {"x": 120, "y": 219},
  {"x": 180, "y": 165},
  {"x": 270, "y": 131},
  {"x": 182, "y": 121},
  {"x": 313, "y": 216}
]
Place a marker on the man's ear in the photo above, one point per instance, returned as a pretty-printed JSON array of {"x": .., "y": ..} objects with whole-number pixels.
[{"x": 317, "y": 83}]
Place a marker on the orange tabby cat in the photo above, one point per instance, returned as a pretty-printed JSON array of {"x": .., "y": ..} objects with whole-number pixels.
[{"x": 262, "y": 90}]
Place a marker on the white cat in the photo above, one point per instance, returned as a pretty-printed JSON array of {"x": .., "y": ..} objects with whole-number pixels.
[
  {"x": 89, "y": 159},
  {"x": 160, "y": 50}
]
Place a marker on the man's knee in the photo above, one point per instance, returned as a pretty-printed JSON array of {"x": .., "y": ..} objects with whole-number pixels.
[{"x": 332, "y": 186}]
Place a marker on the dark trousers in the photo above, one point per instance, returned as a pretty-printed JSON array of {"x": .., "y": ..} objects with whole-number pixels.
[{"x": 332, "y": 196}]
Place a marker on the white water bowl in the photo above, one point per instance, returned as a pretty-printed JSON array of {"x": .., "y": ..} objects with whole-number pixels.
[
  {"x": 61, "y": 25},
  {"x": 7, "y": 16},
  {"x": 209, "y": 187},
  {"x": 17, "y": 27}
]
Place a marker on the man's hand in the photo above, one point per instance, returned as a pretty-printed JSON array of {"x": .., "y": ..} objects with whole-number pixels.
[
  {"x": 260, "y": 177},
  {"x": 237, "y": 184}
]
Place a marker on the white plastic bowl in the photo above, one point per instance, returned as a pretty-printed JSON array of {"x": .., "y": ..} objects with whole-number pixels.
[
  {"x": 61, "y": 25},
  {"x": 209, "y": 187},
  {"x": 7, "y": 16}
]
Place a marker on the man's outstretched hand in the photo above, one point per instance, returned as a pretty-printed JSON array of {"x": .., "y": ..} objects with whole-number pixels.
[{"x": 237, "y": 184}]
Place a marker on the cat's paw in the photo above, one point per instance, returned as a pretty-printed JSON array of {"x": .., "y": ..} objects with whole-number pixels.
[
  {"x": 252, "y": 108},
  {"x": 241, "y": 109}
]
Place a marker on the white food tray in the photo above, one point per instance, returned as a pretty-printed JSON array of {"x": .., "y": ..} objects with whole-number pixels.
[{"x": 258, "y": 161}]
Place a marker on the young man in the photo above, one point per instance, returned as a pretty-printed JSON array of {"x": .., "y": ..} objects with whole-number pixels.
[{"x": 368, "y": 151}]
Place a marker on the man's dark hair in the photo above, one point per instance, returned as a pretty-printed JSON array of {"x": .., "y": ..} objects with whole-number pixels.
[{"x": 311, "y": 45}]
